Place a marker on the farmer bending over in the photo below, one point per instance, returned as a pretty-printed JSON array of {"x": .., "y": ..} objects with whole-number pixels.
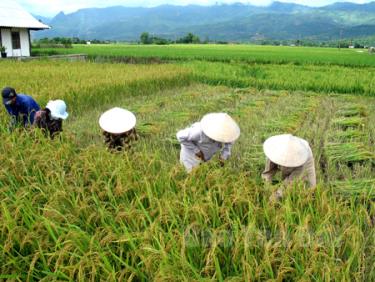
[
  {"x": 51, "y": 118},
  {"x": 118, "y": 127},
  {"x": 292, "y": 156},
  {"x": 21, "y": 108},
  {"x": 200, "y": 142}
]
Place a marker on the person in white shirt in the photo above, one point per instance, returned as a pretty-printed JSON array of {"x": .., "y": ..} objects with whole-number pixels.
[
  {"x": 293, "y": 157},
  {"x": 201, "y": 141}
]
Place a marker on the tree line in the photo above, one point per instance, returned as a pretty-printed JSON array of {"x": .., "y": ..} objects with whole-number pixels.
[
  {"x": 345, "y": 43},
  {"x": 190, "y": 38},
  {"x": 64, "y": 42}
]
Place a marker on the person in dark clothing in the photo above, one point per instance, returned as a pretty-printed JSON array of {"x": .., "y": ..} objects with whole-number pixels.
[
  {"x": 120, "y": 142},
  {"x": 118, "y": 127},
  {"x": 21, "y": 107},
  {"x": 51, "y": 118}
]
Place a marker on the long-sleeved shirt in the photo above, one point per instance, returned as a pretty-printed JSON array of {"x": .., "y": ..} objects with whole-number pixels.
[
  {"x": 289, "y": 174},
  {"x": 193, "y": 141},
  {"x": 44, "y": 121},
  {"x": 25, "y": 107}
]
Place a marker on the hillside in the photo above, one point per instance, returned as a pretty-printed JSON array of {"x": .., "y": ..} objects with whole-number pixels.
[{"x": 236, "y": 22}]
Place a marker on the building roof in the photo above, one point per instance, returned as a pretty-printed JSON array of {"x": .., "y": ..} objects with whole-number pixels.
[{"x": 13, "y": 15}]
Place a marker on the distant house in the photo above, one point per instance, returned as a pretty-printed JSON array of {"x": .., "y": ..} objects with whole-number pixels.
[{"x": 15, "y": 26}]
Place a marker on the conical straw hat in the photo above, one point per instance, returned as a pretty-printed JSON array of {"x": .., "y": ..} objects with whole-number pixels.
[
  {"x": 117, "y": 121},
  {"x": 287, "y": 150},
  {"x": 220, "y": 127}
]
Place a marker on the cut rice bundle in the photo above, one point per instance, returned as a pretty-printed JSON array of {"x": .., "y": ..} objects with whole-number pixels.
[
  {"x": 348, "y": 153},
  {"x": 351, "y": 111},
  {"x": 349, "y": 122},
  {"x": 358, "y": 187},
  {"x": 348, "y": 135},
  {"x": 284, "y": 124}
]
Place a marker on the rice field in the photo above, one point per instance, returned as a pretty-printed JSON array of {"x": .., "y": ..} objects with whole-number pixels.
[
  {"x": 73, "y": 211},
  {"x": 322, "y": 70},
  {"x": 223, "y": 53}
]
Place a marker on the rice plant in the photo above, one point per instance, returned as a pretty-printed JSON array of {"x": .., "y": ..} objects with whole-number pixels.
[
  {"x": 221, "y": 53},
  {"x": 71, "y": 210}
]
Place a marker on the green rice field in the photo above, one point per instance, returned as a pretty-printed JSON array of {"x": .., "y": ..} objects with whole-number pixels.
[
  {"x": 223, "y": 53},
  {"x": 73, "y": 211}
]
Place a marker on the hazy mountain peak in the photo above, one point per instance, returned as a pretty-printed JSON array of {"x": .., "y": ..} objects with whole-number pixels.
[{"x": 229, "y": 22}]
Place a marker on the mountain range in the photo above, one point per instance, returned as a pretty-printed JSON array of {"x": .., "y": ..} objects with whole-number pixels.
[{"x": 225, "y": 22}]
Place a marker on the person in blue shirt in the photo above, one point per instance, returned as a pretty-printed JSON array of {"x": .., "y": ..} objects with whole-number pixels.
[{"x": 21, "y": 107}]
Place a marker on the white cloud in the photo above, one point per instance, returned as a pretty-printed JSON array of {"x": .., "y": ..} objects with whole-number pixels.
[
  {"x": 323, "y": 2},
  {"x": 52, "y": 7}
]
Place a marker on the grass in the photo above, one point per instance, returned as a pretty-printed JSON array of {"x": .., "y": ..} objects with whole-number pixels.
[{"x": 71, "y": 210}]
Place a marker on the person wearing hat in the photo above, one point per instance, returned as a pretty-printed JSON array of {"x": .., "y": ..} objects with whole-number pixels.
[
  {"x": 292, "y": 156},
  {"x": 21, "y": 107},
  {"x": 51, "y": 118},
  {"x": 118, "y": 127},
  {"x": 201, "y": 141}
]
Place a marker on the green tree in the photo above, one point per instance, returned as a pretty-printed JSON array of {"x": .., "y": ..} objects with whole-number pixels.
[
  {"x": 189, "y": 38},
  {"x": 145, "y": 38}
]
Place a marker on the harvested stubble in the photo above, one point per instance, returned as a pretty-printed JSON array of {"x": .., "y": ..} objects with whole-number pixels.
[
  {"x": 358, "y": 187},
  {"x": 255, "y": 154},
  {"x": 177, "y": 115},
  {"x": 283, "y": 123},
  {"x": 146, "y": 129},
  {"x": 289, "y": 123},
  {"x": 348, "y": 153}
]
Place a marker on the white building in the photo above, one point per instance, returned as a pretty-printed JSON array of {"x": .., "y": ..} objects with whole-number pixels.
[{"x": 15, "y": 26}]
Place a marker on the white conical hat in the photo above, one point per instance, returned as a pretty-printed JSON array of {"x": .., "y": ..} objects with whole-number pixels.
[
  {"x": 220, "y": 127},
  {"x": 287, "y": 150},
  {"x": 117, "y": 121}
]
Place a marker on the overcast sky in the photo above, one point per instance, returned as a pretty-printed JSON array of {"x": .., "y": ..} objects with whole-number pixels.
[{"x": 52, "y": 7}]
